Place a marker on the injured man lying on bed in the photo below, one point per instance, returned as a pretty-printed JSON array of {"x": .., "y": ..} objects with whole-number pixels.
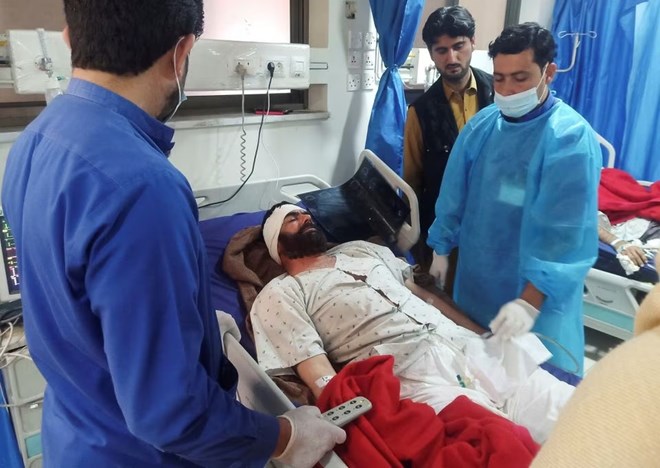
[{"x": 356, "y": 300}]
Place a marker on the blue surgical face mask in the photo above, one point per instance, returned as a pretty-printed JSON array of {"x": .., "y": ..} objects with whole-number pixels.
[
  {"x": 165, "y": 116},
  {"x": 519, "y": 104}
]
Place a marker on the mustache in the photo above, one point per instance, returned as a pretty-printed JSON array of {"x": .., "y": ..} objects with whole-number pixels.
[{"x": 309, "y": 224}]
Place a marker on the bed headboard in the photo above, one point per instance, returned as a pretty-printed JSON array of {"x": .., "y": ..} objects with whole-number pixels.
[
  {"x": 254, "y": 196},
  {"x": 261, "y": 195}
]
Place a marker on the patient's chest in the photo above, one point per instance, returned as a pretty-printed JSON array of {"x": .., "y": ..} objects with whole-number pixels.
[{"x": 359, "y": 304}]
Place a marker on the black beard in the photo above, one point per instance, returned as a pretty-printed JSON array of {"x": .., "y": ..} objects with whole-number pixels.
[
  {"x": 456, "y": 78},
  {"x": 173, "y": 99},
  {"x": 170, "y": 105},
  {"x": 308, "y": 241}
]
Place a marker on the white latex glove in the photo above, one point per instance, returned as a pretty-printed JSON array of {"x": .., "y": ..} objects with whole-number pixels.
[
  {"x": 311, "y": 437},
  {"x": 227, "y": 324},
  {"x": 514, "y": 319},
  {"x": 439, "y": 268}
]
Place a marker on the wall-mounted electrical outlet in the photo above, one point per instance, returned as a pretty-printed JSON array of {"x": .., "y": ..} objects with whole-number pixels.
[
  {"x": 369, "y": 60},
  {"x": 368, "y": 80},
  {"x": 248, "y": 66},
  {"x": 355, "y": 40},
  {"x": 280, "y": 64},
  {"x": 370, "y": 40},
  {"x": 352, "y": 82},
  {"x": 354, "y": 59}
]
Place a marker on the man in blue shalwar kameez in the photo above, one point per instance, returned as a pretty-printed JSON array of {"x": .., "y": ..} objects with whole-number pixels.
[{"x": 519, "y": 198}]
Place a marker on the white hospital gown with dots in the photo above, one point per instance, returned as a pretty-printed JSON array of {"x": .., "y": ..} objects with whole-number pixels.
[{"x": 356, "y": 309}]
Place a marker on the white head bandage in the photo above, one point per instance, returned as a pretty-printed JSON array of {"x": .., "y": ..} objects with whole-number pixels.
[{"x": 272, "y": 228}]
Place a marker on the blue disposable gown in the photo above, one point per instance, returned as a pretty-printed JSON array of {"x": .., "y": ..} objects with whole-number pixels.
[
  {"x": 115, "y": 292},
  {"x": 520, "y": 201}
]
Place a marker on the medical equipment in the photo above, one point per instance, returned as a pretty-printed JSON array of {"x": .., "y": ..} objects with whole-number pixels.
[
  {"x": 576, "y": 43},
  {"x": 9, "y": 278},
  {"x": 23, "y": 399},
  {"x": 346, "y": 412}
]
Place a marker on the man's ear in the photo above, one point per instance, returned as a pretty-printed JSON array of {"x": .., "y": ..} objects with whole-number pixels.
[
  {"x": 65, "y": 36},
  {"x": 550, "y": 72},
  {"x": 182, "y": 50}
]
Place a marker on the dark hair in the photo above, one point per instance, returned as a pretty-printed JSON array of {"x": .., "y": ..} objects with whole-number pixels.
[
  {"x": 453, "y": 21},
  {"x": 126, "y": 37},
  {"x": 270, "y": 212},
  {"x": 520, "y": 37}
]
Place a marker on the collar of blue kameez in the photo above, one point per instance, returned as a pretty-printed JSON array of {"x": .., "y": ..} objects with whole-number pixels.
[
  {"x": 542, "y": 109},
  {"x": 160, "y": 133}
]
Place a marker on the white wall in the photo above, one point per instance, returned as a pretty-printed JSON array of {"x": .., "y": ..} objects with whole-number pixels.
[
  {"x": 539, "y": 11},
  {"x": 209, "y": 156},
  {"x": 489, "y": 18}
]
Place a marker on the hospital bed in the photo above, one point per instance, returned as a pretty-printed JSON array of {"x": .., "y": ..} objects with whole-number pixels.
[
  {"x": 611, "y": 298},
  {"x": 219, "y": 223}
]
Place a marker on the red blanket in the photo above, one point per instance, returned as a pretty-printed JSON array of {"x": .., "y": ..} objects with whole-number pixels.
[
  {"x": 622, "y": 198},
  {"x": 397, "y": 433}
]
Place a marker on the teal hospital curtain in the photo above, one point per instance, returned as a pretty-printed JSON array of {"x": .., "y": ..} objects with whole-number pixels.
[
  {"x": 611, "y": 84},
  {"x": 396, "y": 23},
  {"x": 641, "y": 139}
]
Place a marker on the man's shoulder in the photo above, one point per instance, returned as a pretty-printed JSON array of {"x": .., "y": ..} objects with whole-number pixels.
[
  {"x": 434, "y": 93},
  {"x": 567, "y": 121},
  {"x": 357, "y": 248},
  {"x": 482, "y": 77},
  {"x": 278, "y": 285},
  {"x": 486, "y": 116}
]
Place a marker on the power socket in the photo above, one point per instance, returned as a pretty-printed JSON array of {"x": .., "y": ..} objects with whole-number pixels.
[
  {"x": 245, "y": 66},
  {"x": 352, "y": 82},
  {"x": 281, "y": 65},
  {"x": 354, "y": 59},
  {"x": 368, "y": 80},
  {"x": 369, "y": 60},
  {"x": 370, "y": 40}
]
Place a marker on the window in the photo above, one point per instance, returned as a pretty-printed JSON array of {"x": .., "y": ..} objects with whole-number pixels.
[{"x": 255, "y": 20}]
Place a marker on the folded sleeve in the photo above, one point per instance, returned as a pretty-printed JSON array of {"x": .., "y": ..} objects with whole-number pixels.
[{"x": 283, "y": 331}]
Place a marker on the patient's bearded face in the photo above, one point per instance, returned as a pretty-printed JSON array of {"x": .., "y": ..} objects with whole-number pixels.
[{"x": 308, "y": 241}]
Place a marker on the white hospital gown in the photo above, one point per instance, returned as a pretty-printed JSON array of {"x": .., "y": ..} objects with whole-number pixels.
[{"x": 326, "y": 311}]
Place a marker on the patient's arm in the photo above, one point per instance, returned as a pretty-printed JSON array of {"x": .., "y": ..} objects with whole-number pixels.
[
  {"x": 312, "y": 369},
  {"x": 446, "y": 306}
]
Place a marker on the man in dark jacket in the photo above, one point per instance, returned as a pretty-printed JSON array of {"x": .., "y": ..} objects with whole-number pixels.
[{"x": 435, "y": 119}]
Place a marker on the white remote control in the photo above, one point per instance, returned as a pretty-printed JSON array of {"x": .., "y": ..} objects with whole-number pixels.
[{"x": 347, "y": 412}]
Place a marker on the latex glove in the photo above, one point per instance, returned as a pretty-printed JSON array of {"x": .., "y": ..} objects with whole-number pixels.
[
  {"x": 439, "y": 268},
  {"x": 514, "y": 319},
  {"x": 311, "y": 437},
  {"x": 227, "y": 324}
]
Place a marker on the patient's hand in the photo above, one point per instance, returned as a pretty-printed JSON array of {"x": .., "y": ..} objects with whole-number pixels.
[{"x": 635, "y": 253}]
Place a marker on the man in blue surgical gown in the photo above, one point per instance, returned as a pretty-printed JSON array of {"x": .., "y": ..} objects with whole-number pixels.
[
  {"x": 519, "y": 199},
  {"x": 114, "y": 280}
]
